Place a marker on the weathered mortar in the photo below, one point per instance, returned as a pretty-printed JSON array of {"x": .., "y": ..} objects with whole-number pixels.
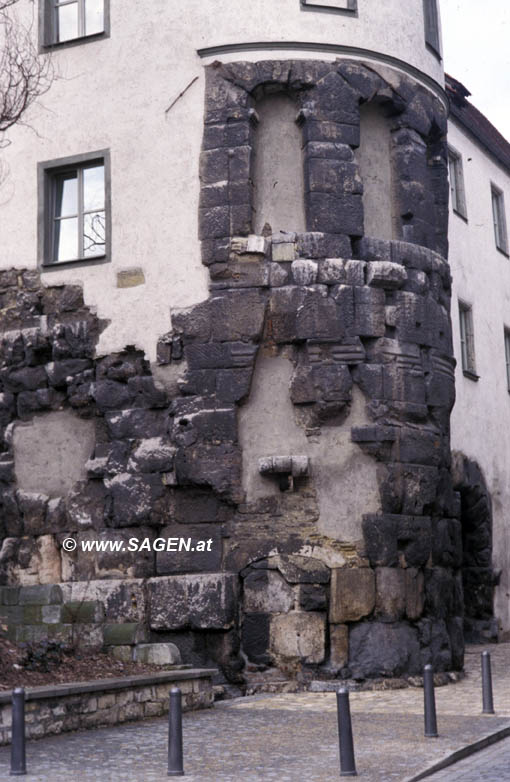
[{"x": 348, "y": 312}]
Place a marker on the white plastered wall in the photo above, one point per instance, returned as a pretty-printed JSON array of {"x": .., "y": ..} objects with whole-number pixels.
[
  {"x": 480, "y": 421},
  {"x": 345, "y": 478},
  {"x": 114, "y": 93}
]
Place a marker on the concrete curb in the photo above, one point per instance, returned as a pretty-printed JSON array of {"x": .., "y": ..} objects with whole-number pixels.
[{"x": 460, "y": 754}]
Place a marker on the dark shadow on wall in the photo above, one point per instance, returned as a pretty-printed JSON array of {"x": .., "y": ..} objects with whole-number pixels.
[{"x": 478, "y": 576}]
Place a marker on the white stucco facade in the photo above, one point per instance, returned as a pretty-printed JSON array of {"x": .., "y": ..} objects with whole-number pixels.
[
  {"x": 481, "y": 278},
  {"x": 114, "y": 93}
]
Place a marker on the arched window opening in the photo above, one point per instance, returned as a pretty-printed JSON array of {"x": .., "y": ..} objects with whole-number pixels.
[{"x": 278, "y": 171}]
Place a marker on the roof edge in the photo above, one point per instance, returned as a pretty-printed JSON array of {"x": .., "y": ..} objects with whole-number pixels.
[{"x": 476, "y": 123}]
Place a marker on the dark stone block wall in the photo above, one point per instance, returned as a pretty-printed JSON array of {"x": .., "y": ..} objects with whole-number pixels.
[{"x": 348, "y": 310}]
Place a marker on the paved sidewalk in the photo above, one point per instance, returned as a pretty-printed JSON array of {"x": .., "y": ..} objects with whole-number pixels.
[
  {"x": 489, "y": 765},
  {"x": 289, "y": 738}
]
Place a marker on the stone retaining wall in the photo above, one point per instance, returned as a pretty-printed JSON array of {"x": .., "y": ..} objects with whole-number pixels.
[{"x": 64, "y": 707}]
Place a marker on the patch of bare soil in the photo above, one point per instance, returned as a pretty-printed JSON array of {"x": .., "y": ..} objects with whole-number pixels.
[{"x": 69, "y": 667}]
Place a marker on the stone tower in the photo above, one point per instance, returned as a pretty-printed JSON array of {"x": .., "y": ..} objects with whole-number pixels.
[{"x": 295, "y": 412}]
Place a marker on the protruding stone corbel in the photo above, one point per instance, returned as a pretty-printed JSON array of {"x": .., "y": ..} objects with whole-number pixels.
[
  {"x": 285, "y": 468},
  {"x": 249, "y": 245},
  {"x": 253, "y": 118},
  {"x": 303, "y": 116}
]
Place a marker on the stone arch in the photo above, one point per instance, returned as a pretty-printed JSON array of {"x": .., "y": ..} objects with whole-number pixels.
[
  {"x": 478, "y": 575},
  {"x": 328, "y": 97}
]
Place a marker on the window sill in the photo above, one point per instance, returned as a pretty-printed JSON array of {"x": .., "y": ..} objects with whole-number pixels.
[
  {"x": 434, "y": 51},
  {"x": 470, "y": 375},
  {"x": 459, "y": 214},
  {"x": 49, "y": 47},
  {"x": 81, "y": 262},
  {"x": 324, "y": 8}
]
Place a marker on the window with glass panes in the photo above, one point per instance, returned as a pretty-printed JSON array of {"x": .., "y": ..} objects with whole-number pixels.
[
  {"x": 456, "y": 177},
  {"x": 507, "y": 357},
  {"x": 431, "y": 18},
  {"x": 331, "y": 5},
  {"x": 75, "y": 224},
  {"x": 499, "y": 219},
  {"x": 467, "y": 338},
  {"x": 75, "y": 19}
]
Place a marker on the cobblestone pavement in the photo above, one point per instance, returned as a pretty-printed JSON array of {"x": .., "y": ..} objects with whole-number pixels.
[
  {"x": 289, "y": 738},
  {"x": 489, "y": 765}
]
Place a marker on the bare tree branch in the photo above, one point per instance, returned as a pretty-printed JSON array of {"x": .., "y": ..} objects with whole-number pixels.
[{"x": 24, "y": 74}]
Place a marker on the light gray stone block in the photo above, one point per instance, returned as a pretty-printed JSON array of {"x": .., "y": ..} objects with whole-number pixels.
[{"x": 157, "y": 654}]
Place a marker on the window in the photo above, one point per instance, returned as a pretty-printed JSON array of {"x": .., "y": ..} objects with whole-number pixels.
[
  {"x": 499, "y": 219},
  {"x": 507, "y": 357},
  {"x": 348, "y": 6},
  {"x": 458, "y": 197},
  {"x": 68, "y": 20},
  {"x": 467, "y": 340},
  {"x": 431, "y": 17},
  {"x": 75, "y": 223}
]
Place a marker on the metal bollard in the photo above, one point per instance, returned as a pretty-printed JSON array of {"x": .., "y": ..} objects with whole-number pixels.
[
  {"x": 18, "y": 758},
  {"x": 429, "y": 702},
  {"x": 175, "y": 759},
  {"x": 488, "y": 703},
  {"x": 347, "y": 763}
]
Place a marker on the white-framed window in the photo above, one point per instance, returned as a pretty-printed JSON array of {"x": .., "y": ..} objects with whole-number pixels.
[
  {"x": 499, "y": 219},
  {"x": 74, "y": 195},
  {"x": 350, "y": 6},
  {"x": 507, "y": 356},
  {"x": 457, "y": 190},
  {"x": 467, "y": 339},
  {"x": 65, "y": 21},
  {"x": 431, "y": 17}
]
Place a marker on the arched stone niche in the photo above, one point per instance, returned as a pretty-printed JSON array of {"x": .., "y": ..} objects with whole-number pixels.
[
  {"x": 328, "y": 97},
  {"x": 278, "y": 166},
  {"x": 374, "y": 157}
]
